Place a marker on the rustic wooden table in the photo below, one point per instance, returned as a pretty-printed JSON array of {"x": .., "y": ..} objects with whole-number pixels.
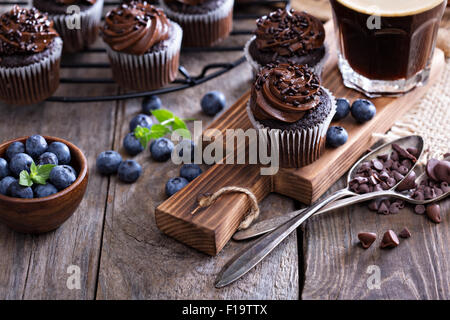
[{"x": 113, "y": 238}]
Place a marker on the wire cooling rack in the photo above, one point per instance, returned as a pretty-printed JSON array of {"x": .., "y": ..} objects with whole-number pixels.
[{"x": 209, "y": 71}]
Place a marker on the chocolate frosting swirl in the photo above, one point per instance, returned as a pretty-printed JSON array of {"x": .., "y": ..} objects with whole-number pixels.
[
  {"x": 286, "y": 33},
  {"x": 69, "y": 2},
  {"x": 24, "y": 31},
  {"x": 284, "y": 92},
  {"x": 135, "y": 28}
]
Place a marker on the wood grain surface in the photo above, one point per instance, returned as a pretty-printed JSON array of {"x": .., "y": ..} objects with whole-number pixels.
[{"x": 114, "y": 239}]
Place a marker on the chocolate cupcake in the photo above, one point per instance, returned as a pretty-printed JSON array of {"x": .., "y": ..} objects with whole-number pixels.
[
  {"x": 143, "y": 46},
  {"x": 288, "y": 101},
  {"x": 30, "y": 53},
  {"x": 287, "y": 36},
  {"x": 77, "y": 21},
  {"x": 204, "y": 22}
]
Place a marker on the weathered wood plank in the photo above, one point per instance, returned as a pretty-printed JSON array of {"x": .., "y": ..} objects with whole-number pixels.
[
  {"x": 35, "y": 267},
  {"x": 336, "y": 266},
  {"x": 139, "y": 262}
]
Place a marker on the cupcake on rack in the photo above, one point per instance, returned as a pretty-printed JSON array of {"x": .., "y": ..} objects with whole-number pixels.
[
  {"x": 204, "y": 22},
  {"x": 287, "y": 36},
  {"x": 77, "y": 21},
  {"x": 143, "y": 46},
  {"x": 30, "y": 54},
  {"x": 289, "y": 102}
]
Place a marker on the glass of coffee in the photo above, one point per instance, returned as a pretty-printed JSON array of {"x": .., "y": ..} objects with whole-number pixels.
[{"x": 386, "y": 46}]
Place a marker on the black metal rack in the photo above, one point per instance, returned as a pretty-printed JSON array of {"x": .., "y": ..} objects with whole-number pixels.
[{"x": 187, "y": 81}]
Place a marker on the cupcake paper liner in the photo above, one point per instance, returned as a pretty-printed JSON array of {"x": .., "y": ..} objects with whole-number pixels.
[
  {"x": 298, "y": 148},
  {"x": 256, "y": 67},
  {"x": 149, "y": 71},
  {"x": 78, "y": 39},
  {"x": 33, "y": 83},
  {"x": 204, "y": 30}
]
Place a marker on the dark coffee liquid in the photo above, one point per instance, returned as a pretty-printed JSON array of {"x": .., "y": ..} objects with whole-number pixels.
[{"x": 398, "y": 50}]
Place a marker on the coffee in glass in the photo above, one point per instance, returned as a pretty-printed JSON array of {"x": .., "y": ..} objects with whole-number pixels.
[{"x": 386, "y": 46}]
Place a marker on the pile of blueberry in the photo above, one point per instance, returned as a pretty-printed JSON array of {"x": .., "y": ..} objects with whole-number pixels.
[
  {"x": 20, "y": 157},
  {"x": 362, "y": 111}
]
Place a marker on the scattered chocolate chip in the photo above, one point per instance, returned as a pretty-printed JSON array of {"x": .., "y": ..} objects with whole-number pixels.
[
  {"x": 374, "y": 204},
  {"x": 394, "y": 208},
  {"x": 442, "y": 171},
  {"x": 434, "y": 212},
  {"x": 389, "y": 240},
  {"x": 367, "y": 238},
  {"x": 404, "y": 233},
  {"x": 419, "y": 209},
  {"x": 383, "y": 208}
]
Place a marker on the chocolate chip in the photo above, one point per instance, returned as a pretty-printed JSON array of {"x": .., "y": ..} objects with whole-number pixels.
[
  {"x": 377, "y": 188},
  {"x": 402, "y": 153},
  {"x": 419, "y": 209},
  {"x": 383, "y": 157},
  {"x": 418, "y": 195},
  {"x": 384, "y": 175},
  {"x": 367, "y": 238},
  {"x": 413, "y": 151},
  {"x": 389, "y": 240},
  {"x": 407, "y": 163},
  {"x": 442, "y": 171},
  {"x": 374, "y": 204},
  {"x": 397, "y": 176},
  {"x": 388, "y": 164},
  {"x": 408, "y": 183},
  {"x": 383, "y": 208},
  {"x": 430, "y": 168},
  {"x": 394, "y": 208},
  {"x": 391, "y": 182},
  {"x": 363, "y": 188},
  {"x": 404, "y": 233},
  {"x": 372, "y": 180},
  {"x": 434, "y": 212},
  {"x": 402, "y": 169},
  {"x": 394, "y": 156},
  {"x": 377, "y": 164}
]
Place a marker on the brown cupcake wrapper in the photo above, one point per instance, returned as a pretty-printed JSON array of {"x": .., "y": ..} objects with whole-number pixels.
[
  {"x": 204, "y": 30},
  {"x": 33, "y": 83},
  {"x": 78, "y": 39},
  {"x": 297, "y": 148},
  {"x": 256, "y": 67},
  {"x": 149, "y": 71}
]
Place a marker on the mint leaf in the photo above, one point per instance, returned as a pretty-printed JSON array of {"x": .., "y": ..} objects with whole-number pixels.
[
  {"x": 33, "y": 168},
  {"x": 158, "y": 131},
  {"x": 25, "y": 179},
  {"x": 178, "y": 124},
  {"x": 143, "y": 135},
  {"x": 183, "y": 133},
  {"x": 43, "y": 173},
  {"x": 162, "y": 115}
]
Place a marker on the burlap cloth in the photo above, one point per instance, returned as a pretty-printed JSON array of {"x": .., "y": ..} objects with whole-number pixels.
[{"x": 430, "y": 117}]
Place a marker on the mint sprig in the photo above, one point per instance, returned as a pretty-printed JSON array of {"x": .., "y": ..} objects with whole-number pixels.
[
  {"x": 38, "y": 174},
  {"x": 168, "y": 123}
]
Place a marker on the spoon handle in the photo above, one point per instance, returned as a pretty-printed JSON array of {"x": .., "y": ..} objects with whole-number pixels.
[
  {"x": 244, "y": 261},
  {"x": 268, "y": 225}
]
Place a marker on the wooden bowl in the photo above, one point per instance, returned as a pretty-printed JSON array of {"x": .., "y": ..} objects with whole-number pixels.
[{"x": 41, "y": 215}]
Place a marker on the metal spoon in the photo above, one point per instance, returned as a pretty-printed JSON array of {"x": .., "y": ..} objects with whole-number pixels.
[
  {"x": 268, "y": 225},
  {"x": 244, "y": 261}
]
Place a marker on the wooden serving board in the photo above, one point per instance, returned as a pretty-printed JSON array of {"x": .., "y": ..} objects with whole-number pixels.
[{"x": 211, "y": 228}]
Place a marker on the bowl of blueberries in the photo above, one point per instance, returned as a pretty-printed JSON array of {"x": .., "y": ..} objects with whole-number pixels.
[{"x": 42, "y": 182}]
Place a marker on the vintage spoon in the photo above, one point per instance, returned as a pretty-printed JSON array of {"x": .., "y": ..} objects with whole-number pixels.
[
  {"x": 244, "y": 261},
  {"x": 268, "y": 225}
]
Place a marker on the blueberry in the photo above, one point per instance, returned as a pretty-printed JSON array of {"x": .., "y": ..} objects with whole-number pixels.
[
  {"x": 186, "y": 144},
  {"x": 5, "y": 183},
  {"x": 213, "y": 102},
  {"x": 20, "y": 162},
  {"x": 17, "y": 191},
  {"x": 141, "y": 120},
  {"x": 71, "y": 169},
  {"x": 336, "y": 136},
  {"x": 129, "y": 171},
  {"x": 342, "y": 109},
  {"x": 48, "y": 158},
  {"x": 36, "y": 145},
  {"x": 151, "y": 103},
  {"x": 190, "y": 171},
  {"x": 4, "y": 168},
  {"x": 62, "y": 177},
  {"x": 161, "y": 149},
  {"x": 132, "y": 145},
  {"x": 61, "y": 151},
  {"x": 44, "y": 190},
  {"x": 14, "y": 148},
  {"x": 363, "y": 110},
  {"x": 108, "y": 162},
  {"x": 175, "y": 184}
]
